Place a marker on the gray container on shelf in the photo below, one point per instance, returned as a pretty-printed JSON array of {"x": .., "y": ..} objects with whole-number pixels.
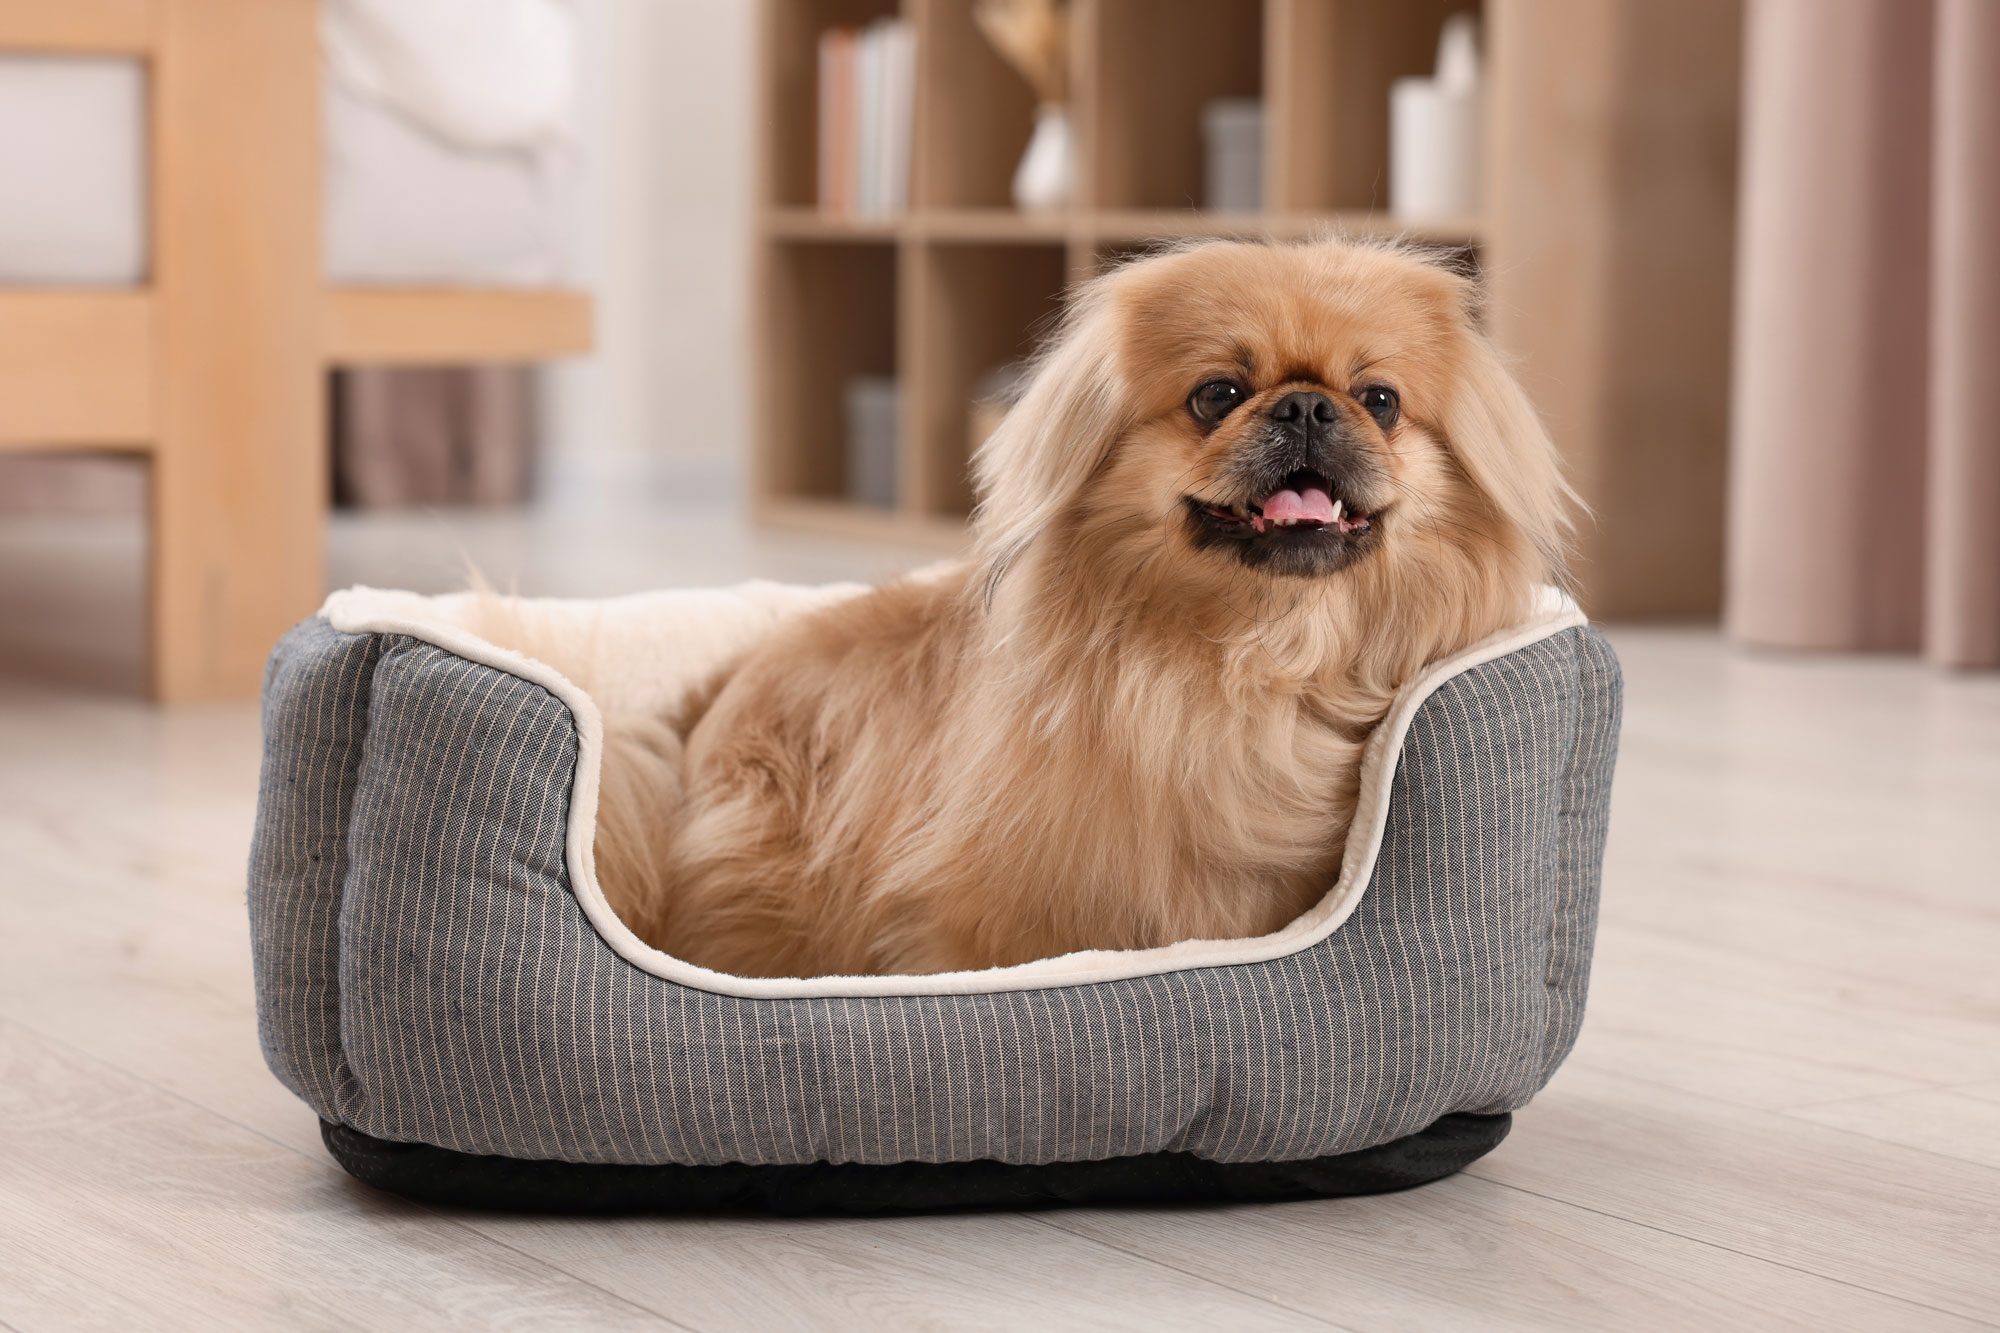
[
  {"x": 871, "y": 440},
  {"x": 1233, "y": 131}
]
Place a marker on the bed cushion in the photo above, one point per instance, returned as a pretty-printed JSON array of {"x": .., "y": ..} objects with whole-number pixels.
[
  {"x": 404, "y": 206},
  {"x": 72, "y": 149}
]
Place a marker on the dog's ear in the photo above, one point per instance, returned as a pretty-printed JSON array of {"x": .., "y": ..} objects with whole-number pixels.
[
  {"x": 1497, "y": 437},
  {"x": 1050, "y": 444}
]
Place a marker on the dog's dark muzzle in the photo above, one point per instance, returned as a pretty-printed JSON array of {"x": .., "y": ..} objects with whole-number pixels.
[{"x": 1306, "y": 432}]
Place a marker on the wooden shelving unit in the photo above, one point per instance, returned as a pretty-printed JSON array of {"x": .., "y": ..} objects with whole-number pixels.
[
  {"x": 1609, "y": 198},
  {"x": 963, "y": 282}
]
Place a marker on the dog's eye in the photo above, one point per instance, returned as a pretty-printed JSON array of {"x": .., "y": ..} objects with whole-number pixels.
[
  {"x": 1212, "y": 401},
  {"x": 1381, "y": 402}
]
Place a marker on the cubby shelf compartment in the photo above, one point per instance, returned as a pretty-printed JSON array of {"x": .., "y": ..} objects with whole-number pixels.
[{"x": 828, "y": 314}]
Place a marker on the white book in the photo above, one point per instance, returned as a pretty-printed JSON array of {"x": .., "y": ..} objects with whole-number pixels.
[
  {"x": 829, "y": 124},
  {"x": 899, "y": 116},
  {"x": 868, "y": 120}
]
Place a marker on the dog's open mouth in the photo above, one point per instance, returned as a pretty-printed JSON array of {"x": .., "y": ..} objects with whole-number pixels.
[
  {"x": 1303, "y": 500},
  {"x": 1303, "y": 525}
]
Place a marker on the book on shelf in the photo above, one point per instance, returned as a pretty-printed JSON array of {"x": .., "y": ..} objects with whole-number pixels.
[{"x": 867, "y": 87}]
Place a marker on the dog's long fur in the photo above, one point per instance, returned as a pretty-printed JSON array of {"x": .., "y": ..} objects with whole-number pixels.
[{"x": 1099, "y": 732}]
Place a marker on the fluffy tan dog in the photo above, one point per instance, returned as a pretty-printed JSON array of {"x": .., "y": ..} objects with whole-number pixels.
[{"x": 1251, "y": 490}]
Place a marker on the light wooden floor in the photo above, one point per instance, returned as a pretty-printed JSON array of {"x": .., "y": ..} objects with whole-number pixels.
[{"x": 1784, "y": 1111}]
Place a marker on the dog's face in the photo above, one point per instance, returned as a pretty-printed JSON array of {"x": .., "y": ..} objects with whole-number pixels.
[
  {"x": 1283, "y": 398},
  {"x": 1238, "y": 414}
]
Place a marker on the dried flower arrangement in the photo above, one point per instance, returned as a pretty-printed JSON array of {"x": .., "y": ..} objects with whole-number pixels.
[{"x": 1033, "y": 37}]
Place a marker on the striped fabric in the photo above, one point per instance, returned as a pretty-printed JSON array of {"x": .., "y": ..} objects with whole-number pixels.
[{"x": 424, "y": 973}]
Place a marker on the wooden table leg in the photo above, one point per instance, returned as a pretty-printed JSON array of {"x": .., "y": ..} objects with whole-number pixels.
[{"x": 239, "y": 473}]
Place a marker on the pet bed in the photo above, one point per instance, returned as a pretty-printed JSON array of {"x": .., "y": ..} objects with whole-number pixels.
[{"x": 440, "y": 977}]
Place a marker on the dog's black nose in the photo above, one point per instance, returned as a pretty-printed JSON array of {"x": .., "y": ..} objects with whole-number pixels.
[{"x": 1303, "y": 406}]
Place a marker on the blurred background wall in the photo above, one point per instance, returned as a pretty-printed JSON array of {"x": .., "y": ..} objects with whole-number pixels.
[{"x": 664, "y": 224}]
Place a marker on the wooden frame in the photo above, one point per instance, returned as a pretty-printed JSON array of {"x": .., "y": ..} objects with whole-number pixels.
[
  {"x": 216, "y": 370},
  {"x": 1611, "y": 200},
  {"x": 963, "y": 280}
]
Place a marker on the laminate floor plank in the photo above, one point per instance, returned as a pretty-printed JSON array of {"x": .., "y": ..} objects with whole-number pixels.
[
  {"x": 123, "y": 1207},
  {"x": 1846, "y": 1207},
  {"x": 1950, "y": 1122},
  {"x": 958, "y": 1270},
  {"x": 1474, "y": 1250}
]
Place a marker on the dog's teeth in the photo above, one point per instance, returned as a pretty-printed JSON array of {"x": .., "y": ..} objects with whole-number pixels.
[{"x": 1338, "y": 507}]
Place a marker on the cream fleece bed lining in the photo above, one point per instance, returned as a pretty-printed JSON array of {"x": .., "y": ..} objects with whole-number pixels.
[{"x": 698, "y": 630}]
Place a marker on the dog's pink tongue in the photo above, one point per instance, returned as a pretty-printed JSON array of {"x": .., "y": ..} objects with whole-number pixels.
[{"x": 1291, "y": 506}]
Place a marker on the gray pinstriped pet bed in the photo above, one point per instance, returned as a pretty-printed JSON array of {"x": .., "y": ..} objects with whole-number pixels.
[{"x": 439, "y": 977}]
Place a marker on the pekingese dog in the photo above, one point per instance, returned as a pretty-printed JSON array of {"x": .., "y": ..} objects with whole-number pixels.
[{"x": 1249, "y": 492}]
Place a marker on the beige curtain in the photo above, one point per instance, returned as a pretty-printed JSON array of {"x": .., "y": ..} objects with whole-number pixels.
[{"x": 1865, "y": 425}]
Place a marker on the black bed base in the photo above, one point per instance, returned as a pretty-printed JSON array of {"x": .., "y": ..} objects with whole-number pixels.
[{"x": 439, "y": 1175}]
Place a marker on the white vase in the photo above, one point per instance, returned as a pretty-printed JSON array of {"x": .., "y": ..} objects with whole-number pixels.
[{"x": 1047, "y": 173}]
